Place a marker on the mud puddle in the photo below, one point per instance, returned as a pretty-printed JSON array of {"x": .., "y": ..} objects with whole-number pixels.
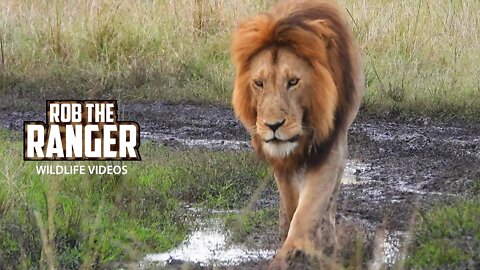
[{"x": 394, "y": 166}]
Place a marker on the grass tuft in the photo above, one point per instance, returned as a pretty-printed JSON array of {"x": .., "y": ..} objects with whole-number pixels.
[{"x": 448, "y": 237}]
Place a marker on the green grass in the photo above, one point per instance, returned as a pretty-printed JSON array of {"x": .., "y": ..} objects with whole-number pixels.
[
  {"x": 93, "y": 221},
  {"x": 420, "y": 55},
  {"x": 448, "y": 237}
]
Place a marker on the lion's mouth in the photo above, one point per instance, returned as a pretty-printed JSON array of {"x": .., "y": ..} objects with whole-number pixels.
[{"x": 277, "y": 140}]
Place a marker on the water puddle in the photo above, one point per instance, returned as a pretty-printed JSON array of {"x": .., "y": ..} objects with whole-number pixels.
[{"x": 208, "y": 246}]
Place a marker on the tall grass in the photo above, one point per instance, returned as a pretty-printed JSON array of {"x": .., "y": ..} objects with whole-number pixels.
[
  {"x": 420, "y": 55},
  {"x": 126, "y": 49}
]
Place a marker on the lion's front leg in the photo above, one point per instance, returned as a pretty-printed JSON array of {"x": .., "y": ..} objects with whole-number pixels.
[
  {"x": 284, "y": 223},
  {"x": 313, "y": 226},
  {"x": 311, "y": 235},
  {"x": 289, "y": 193}
]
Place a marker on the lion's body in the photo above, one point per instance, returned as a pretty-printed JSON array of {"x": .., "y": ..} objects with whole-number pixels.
[{"x": 298, "y": 88}]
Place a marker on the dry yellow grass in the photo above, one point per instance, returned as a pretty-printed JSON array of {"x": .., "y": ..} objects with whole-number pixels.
[{"x": 420, "y": 55}]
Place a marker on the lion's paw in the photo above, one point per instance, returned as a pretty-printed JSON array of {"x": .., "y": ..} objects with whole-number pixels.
[{"x": 295, "y": 260}]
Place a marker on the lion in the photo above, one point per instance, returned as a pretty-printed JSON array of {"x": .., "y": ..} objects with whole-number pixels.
[{"x": 298, "y": 87}]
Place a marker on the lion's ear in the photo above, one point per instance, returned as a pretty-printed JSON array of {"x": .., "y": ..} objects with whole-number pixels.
[{"x": 323, "y": 29}]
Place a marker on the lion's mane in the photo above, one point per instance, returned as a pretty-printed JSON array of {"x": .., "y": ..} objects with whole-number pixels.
[{"x": 317, "y": 32}]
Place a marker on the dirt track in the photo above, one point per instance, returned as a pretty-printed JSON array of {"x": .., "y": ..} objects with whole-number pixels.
[{"x": 402, "y": 161}]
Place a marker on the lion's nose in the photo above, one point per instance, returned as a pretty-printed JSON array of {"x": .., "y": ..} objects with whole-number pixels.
[{"x": 275, "y": 126}]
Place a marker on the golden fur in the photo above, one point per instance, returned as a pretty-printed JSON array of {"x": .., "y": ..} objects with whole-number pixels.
[{"x": 297, "y": 90}]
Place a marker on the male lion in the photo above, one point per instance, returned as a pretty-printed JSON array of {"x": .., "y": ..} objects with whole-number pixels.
[{"x": 298, "y": 88}]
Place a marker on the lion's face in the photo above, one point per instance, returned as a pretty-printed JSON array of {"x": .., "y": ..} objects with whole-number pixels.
[
  {"x": 280, "y": 81},
  {"x": 288, "y": 84}
]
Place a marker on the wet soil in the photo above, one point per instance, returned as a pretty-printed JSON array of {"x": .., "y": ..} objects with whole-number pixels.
[{"x": 408, "y": 163}]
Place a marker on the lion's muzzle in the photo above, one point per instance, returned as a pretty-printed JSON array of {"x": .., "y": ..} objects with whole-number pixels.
[{"x": 279, "y": 139}]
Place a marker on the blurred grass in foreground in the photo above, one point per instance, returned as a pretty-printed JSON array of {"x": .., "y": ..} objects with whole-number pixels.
[{"x": 421, "y": 56}]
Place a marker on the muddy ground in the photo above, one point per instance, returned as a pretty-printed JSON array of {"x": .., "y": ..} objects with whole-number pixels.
[{"x": 404, "y": 162}]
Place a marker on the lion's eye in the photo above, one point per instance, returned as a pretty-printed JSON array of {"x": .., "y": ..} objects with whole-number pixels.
[
  {"x": 292, "y": 82},
  {"x": 258, "y": 83}
]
